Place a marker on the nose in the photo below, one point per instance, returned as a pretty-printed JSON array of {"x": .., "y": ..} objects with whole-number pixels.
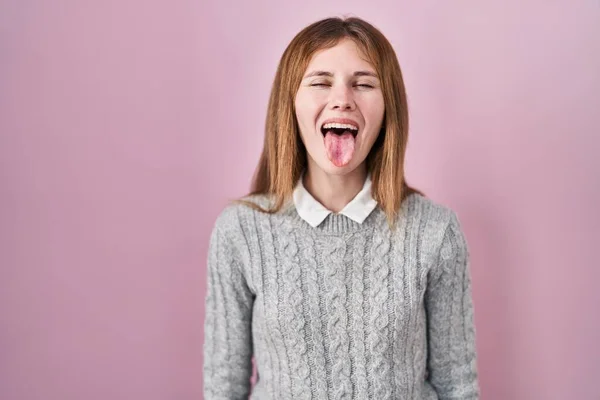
[{"x": 342, "y": 98}]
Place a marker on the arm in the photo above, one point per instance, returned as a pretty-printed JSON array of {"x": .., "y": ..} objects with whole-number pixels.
[
  {"x": 227, "y": 326},
  {"x": 451, "y": 332}
]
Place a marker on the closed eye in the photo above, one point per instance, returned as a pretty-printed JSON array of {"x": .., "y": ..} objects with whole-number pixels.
[{"x": 362, "y": 85}]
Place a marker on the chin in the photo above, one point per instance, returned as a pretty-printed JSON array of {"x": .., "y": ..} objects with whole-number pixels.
[{"x": 331, "y": 169}]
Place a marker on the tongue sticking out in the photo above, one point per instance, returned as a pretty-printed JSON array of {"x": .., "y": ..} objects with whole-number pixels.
[{"x": 340, "y": 148}]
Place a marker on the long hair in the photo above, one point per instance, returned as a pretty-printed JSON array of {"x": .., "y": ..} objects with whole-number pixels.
[{"x": 283, "y": 157}]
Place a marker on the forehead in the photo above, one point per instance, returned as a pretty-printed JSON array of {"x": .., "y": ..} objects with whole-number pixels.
[{"x": 345, "y": 55}]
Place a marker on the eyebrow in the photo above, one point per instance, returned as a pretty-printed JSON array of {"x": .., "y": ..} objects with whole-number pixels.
[{"x": 329, "y": 74}]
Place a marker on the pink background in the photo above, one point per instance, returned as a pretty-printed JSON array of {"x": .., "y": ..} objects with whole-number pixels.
[{"x": 126, "y": 125}]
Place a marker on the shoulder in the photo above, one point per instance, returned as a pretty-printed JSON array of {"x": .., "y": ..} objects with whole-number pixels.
[
  {"x": 230, "y": 233},
  {"x": 436, "y": 225},
  {"x": 236, "y": 216},
  {"x": 417, "y": 206}
]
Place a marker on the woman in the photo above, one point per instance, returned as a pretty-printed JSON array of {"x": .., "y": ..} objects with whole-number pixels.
[{"x": 341, "y": 280}]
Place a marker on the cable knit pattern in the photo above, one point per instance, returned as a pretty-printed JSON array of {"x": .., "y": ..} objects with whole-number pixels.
[
  {"x": 378, "y": 336},
  {"x": 295, "y": 319},
  {"x": 340, "y": 311},
  {"x": 270, "y": 287},
  {"x": 401, "y": 329},
  {"x": 334, "y": 252},
  {"x": 357, "y": 338},
  {"x": 315, "y": 342}
]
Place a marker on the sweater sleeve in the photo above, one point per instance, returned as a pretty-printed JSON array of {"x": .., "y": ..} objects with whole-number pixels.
[
  {"x": 451, "y": 358},
  {"x": 227, "y": 326}
]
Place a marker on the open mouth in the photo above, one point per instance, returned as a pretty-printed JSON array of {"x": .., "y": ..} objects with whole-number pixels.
[{"x": 339, "y": 129}]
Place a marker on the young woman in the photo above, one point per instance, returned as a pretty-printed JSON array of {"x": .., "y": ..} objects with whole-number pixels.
[{"x": 341, "y": 280}]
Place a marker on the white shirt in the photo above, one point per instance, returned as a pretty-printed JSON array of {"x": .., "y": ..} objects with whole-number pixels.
[{"x": 314, "y": 212}]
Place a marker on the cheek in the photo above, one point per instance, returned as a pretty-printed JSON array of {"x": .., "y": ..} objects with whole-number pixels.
[
  {"x": 312, "y": 98},
  {"x": 304, "y": 116},
  {"x": 307, "y": 109},
  {"x": 374, "y": 110},
  {"x": 302, "y": 106}
]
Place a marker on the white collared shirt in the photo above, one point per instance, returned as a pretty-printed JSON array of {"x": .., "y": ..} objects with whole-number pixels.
[{"x": 313, "y": 212}]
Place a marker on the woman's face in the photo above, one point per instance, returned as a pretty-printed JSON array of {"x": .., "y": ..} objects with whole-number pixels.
[{"x": 339, "y": 106}]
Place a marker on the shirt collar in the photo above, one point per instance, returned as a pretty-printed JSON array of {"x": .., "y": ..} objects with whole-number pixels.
[{"x": 313, "y": 212}]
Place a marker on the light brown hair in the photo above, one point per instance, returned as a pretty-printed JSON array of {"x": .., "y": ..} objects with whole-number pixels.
[{"x": 283, "y": 158}]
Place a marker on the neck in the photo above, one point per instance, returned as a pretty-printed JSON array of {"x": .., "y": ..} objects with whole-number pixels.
[{"x": 334, "y": 191}]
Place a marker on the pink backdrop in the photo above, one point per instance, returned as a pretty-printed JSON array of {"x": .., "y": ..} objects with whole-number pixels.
[{"x": 126, "y": 125}]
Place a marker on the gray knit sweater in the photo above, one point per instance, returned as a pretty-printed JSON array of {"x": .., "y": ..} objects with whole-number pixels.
[{"x": 341, "y": 311}]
